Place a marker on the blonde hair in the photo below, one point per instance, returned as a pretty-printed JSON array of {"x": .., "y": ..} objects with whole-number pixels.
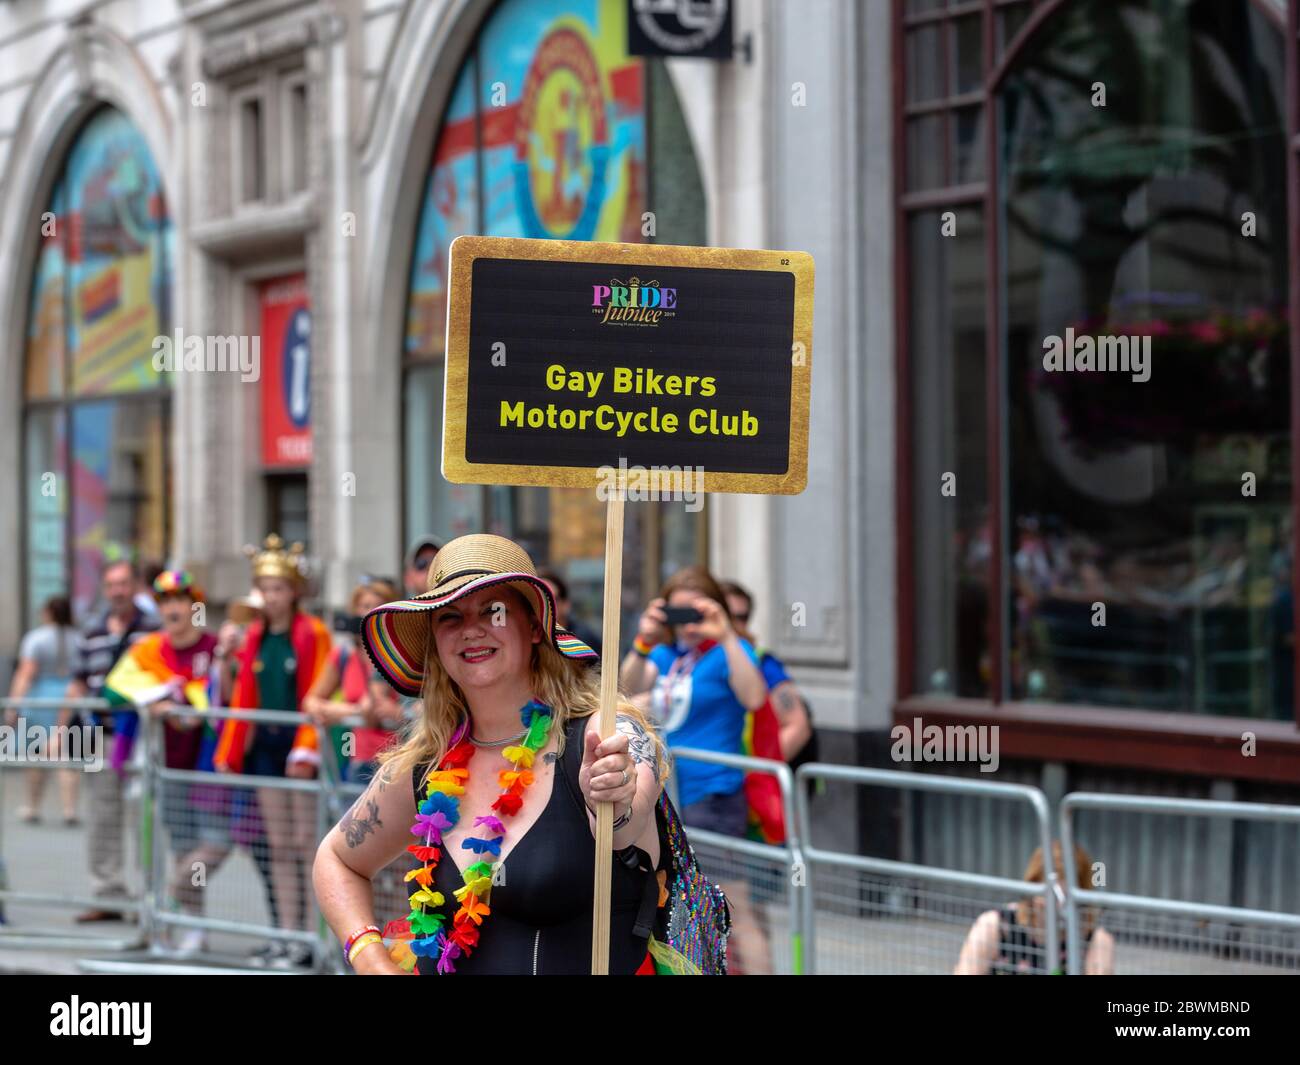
[{"x": 569, "y": 687}]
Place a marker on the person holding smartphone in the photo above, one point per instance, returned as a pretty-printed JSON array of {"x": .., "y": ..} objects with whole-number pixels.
[{"x": 703, "y": 679}]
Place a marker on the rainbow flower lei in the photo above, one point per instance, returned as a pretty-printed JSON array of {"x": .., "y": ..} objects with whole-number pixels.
[{"x": 422, "y": 934}]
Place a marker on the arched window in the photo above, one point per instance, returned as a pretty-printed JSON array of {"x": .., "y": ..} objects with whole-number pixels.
[
  {"x": 95, "y": 417},
  {"x": 551, "y": 130}
]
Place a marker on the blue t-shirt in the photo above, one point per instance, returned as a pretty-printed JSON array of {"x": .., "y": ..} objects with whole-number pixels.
[
  {"x": 773, "y": 670},
  {"x": 696, "y": 707}
]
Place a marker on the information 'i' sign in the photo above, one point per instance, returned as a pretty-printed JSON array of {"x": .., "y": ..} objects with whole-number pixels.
[{"x": 569, "y": 361}]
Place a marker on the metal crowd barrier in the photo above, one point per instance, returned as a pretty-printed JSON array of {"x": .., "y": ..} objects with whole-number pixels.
[
  {"x": 762, "y": 877},
  {"x": 209, "y": 822},
  {"x": 1160, "y": 933},
  {"x": 56, "y": 882},
  {"x": 389, "y": 891},
  {"x": 811, "y": 906},
  {"x": 204, "y": 864},
  {"x": 894, "y": 901}
]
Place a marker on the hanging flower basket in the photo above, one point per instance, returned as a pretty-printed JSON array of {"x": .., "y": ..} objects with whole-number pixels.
[{"x": 1214, "y": 374}]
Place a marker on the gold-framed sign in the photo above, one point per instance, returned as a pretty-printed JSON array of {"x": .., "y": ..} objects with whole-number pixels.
[{"x": 568, "y": 359}]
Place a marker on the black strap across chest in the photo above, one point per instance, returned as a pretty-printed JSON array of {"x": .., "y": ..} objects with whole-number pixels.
[{"x": 568, "y": 770}]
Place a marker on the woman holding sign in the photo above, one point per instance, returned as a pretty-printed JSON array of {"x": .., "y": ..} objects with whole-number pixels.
[
  {"x": 703, "y": 680},
  {"x": 493, "y": 793}
]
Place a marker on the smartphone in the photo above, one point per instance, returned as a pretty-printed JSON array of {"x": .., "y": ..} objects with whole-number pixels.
[
  {"x": 681, "y": 615},
  {"x": 348, "y": 623}
]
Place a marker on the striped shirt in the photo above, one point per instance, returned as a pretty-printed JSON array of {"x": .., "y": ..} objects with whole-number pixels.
[{"x": 98, "y": 650}]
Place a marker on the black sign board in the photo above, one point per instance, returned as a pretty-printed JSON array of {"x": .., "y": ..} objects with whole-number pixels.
[
  {"x": 697, "y": 28},
  {"x": 566, "y": 357}
]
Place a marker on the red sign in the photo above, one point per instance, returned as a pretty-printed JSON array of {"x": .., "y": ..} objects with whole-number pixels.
[{"x": 286, "y": 372}]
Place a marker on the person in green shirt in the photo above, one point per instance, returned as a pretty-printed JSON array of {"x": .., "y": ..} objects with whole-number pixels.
[{"x": 283, "y": 655}]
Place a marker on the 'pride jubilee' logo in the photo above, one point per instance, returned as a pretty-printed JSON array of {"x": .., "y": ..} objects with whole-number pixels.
[{"x": 632, "y": 302}]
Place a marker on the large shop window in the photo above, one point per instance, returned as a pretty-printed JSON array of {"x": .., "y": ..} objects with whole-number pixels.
[
  {"x": 1161, "y": 491},
  {"x": 1145, "y": 509},
  {"x": 95, "y": 420},
  {"x": 551, "y": 130}
]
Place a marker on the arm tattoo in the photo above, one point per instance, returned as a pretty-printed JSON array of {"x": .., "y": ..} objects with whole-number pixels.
[
  {"x": 549, "y": 757},
  {"x": 786, "y": 701},
  {"x": 355, "y": 828},
  {"x": 640, "y": 745}
]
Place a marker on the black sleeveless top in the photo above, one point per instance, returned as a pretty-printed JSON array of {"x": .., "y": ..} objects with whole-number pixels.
[
  {"x": 540, "y": 922},
  {"x": 1018, "y": 953}
]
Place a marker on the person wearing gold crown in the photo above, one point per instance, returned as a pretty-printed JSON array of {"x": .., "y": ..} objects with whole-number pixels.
[
  {"x": 282, "y": 657},
  {"x": 498, "y": 780}
]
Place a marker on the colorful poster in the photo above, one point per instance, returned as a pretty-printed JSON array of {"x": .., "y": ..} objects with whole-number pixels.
[
  {"x": 119, "y": 254},
  {"x": 285, "y": 339},
  {"x": 92, "y": 438},
  {"x": 119, "y": 493},
  {"x": 563, "y": 122},
  {"x": 450, "y": 209},
  {"x": 550, "y": 112},
  {"x": 101, "y": 293}
]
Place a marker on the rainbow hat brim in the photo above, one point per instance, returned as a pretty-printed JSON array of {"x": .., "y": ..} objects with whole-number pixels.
[{"x": 396, "y": 635}]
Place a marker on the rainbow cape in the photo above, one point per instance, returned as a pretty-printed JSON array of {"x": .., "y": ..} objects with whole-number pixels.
[
  {"x": 146, "y": 673},
  {"x": 311, "y": 646}
]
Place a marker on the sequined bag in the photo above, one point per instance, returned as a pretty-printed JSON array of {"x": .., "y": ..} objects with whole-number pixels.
[{"x": 693, "y": 919}]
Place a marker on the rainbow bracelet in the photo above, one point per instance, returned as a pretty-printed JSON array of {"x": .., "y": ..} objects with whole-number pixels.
[{"x": 352, "y": 939}]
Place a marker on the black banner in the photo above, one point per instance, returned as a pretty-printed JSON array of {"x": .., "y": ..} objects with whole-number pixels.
[{"x": 1226, "y": 1017}]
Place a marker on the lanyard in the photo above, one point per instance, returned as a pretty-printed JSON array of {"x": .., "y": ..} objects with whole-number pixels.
[
  {"x": 673, "y": 695},
  {"x": 683, "y": 666}
]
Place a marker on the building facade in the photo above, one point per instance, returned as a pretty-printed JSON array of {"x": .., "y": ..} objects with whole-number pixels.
[{"x": 293, "y": 173}]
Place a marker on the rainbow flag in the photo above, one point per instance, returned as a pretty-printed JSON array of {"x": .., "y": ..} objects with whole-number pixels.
[{"x": 143, "y": 675}]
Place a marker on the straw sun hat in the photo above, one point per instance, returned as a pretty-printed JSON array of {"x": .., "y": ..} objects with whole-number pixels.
[{"x": 396, "y": 635}]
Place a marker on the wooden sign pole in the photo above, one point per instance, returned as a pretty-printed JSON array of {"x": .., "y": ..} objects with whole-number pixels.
[{"x": 605, "y": 726}]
